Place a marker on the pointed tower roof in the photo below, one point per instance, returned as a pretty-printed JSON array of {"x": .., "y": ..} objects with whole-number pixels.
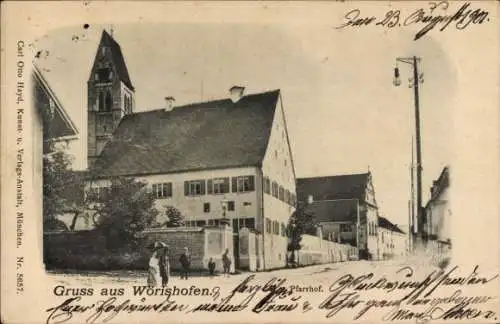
[{"x": 118, "y": 59}]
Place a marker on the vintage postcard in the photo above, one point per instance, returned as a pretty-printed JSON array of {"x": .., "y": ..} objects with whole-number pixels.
[{"x": 239, "y": 162}]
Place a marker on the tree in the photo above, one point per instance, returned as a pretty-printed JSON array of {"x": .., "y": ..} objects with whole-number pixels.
[
  {"x": 124, "y": 210},
  {"x": 175, "y": 218},
  {"x": 301, "y": 222},
  {"x": 60, "y": 185}
]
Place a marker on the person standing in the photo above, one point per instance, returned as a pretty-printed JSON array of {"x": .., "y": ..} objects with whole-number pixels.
[
  {"x": 185, "y": 261},
  {"x": 164, "y": 265},
  {"x": 154, "y": 277},
  {"x": 211, "y": 266},
  {"x": 226, "y": 262}
]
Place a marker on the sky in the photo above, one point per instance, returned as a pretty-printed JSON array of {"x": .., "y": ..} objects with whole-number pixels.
[{"x": 342, "y": 111}]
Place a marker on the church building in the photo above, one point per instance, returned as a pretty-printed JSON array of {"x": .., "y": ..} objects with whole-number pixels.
[{"x": 226, "y": 160}]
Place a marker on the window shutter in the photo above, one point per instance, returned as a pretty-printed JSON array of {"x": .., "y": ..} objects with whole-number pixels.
[
  {"x": 186, "y": 188},
  {"x": 251, "y": 183},
  {"x": 169, "y": 189},
  {"x": 234, "y": 184},
  {"x": 226, "y": 185},
  {"x": 203, "y": 183},
  {"x": 209, "y": 186}
]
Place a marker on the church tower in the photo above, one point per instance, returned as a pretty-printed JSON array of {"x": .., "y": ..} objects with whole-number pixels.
[{"x": 110, "y": 95}]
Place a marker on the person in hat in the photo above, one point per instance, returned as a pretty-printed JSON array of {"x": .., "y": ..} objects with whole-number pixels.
[{"x": 185, "y": 261}]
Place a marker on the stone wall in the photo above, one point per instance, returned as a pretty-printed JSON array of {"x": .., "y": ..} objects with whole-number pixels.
[
  {"x": 203, "y": 243},
  {"x": 86, "y": 250},
  {"x": 315, "y": 250}
]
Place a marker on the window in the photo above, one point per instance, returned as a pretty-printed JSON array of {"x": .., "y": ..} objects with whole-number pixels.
[
  {"x": 283, "y": 229},
  {"x": 276, "y": 228},
  {"x": 235, "y": 225},
  {"x": 104, "y": 75},
  {"x": 284, "y": 162},
  {"x": 345, "y": 227},
  {"x": 162, "y": 190},
  {"x": 200, "y": 223},
  {"x": 281, "y": 193},
  {"x": 194, "y": 188},
  {"x": 101, "y": 101},
  {"x": 206, "y": 207},
  {"x": 275, "y": 189},
  {"x": 98, "y": 193},
  {"x": 108, "y": 105},
  {"x": 230, "y": 205},
  {"x": 287, "y": 196},
  {"x": 275, "y": 153},
  {"x": 247, "y": 203},
  {"x": 250, "y": 223},
  {"x": 218, "y": 186},
  {"x": 267, "y": 185},
  {"x": 268, "y": 225},
  {"x": 243, "y": 183},
  {"x": 239, "y": 223}
]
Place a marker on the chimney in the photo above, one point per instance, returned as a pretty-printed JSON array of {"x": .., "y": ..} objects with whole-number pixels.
[
  {"x": 310, "y": 199},
  {"x": 169, "y": 103},
  {"x": 236, "y": 92}
]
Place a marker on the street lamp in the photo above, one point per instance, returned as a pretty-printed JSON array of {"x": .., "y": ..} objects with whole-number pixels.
[{"x": 415, "y": 81}]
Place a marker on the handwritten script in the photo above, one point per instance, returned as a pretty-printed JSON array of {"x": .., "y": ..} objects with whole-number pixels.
[
  {"x": 405, "y": 297},
  {"x": 436, "y": 15}
]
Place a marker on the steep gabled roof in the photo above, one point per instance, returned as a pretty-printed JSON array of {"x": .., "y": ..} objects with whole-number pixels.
[
  {"x": 333, "y": 210},
  {"x": 349, "y": 186},
  {"x": 60, "y": 124},
  {"x": 117, "y": 57},
  {"x": 207, "y": 135},
  {"x": 387, "y": 224}
]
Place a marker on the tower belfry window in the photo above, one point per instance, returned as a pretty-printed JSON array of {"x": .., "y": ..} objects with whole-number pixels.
[
  {"x": 109, "y": 101},
  {"x": 101, "y": 101},
  {"x": 104, "y": 75}
]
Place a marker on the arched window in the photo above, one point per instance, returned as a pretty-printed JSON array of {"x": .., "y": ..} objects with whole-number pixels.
[
  {"x": 109, "y": 101},
  {"x": 100, "y": 101}
]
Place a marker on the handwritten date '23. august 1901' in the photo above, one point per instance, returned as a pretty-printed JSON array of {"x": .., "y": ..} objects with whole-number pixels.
[{"x": 462, "y": 18}]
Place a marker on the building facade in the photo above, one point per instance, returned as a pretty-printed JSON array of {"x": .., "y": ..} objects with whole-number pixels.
[
  {"x": 438, "y": 214},
  {"x": 393, "y": 242},
  {"x": 219, "y": 161},
  {"x": 345, "y": 207}
]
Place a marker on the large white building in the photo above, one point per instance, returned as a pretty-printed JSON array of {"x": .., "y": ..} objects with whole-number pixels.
[{"x": 221, "y": 159}]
